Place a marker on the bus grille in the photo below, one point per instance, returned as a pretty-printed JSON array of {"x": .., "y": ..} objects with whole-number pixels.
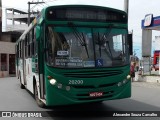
[
  {"x": 84, "y": 91},
  {"x": 93, "y": 74},
  {"x": 107, "y": 89},
  {"x": 92, "y": 87}
]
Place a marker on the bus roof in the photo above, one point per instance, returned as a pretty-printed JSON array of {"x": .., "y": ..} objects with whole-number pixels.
[{"x": 42, "y": 15}]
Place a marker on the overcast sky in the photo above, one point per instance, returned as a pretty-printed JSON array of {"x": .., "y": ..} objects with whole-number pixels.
[{"x": 137, "y": 11}]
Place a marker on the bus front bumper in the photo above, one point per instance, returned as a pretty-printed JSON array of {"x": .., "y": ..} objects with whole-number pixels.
[{"x": 57, "y": 96}]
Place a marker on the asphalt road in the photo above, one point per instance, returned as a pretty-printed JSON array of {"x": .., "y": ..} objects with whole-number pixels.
[{"x": 145, "y": 97}]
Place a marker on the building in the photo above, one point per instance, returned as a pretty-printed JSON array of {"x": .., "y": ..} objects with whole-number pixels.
[
  {"x": 8, "y": 39},
  {"x": 18, "y": 19},
  {"x": 0, "y": 17},
  {"x": 148, "y": 24},
  {"x": 156, "y": 43},
  {"x": 7, "y": 53}
]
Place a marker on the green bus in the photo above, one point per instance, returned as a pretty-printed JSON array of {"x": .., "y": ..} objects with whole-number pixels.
[{"x": 72, "y": 54}]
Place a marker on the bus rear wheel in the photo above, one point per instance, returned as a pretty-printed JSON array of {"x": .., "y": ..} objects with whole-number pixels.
[{"x": 38, "y": 101}]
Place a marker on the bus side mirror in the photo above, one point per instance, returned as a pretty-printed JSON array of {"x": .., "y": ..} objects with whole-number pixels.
[
  {"x": 130, "y": 44},
  {"x": 38, "y": 32}
]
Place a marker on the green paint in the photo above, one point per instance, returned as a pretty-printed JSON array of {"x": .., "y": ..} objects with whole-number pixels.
[
  {"x": 64, "y": 97},
  {"x": 79, "y": 93}
]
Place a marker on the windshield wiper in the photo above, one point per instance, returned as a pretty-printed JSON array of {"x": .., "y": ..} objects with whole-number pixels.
[
  {"x": 105, "y": 35},
  {"x": 79, "y": 36},
  {"x": 103, "y": 39},
  {"x": 100, "y": 44}
]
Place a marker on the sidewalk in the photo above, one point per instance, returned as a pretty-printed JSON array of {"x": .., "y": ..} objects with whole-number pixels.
[
  {"x": 147, "y": 78},
  {"x": 146, "y": 85}
]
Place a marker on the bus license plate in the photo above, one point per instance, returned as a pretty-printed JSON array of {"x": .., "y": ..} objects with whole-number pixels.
[{"x": 96, "y": 94}]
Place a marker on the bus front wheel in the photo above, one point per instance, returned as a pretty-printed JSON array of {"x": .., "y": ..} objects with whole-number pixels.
[{"x": 38, "y": 101}]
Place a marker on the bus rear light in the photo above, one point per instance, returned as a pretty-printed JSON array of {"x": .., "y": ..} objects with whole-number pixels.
[{"x": 52, "y": 81}]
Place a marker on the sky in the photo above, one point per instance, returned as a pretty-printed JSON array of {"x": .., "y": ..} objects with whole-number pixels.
[{"x": 137, "y": 11}]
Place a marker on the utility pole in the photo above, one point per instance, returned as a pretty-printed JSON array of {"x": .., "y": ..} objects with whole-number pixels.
[
  {"x": 29, "y": 13},
  {"x": 126, "y": 6}
]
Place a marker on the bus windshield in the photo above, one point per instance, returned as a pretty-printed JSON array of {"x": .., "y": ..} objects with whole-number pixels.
[{"x": 79, "y": 47}]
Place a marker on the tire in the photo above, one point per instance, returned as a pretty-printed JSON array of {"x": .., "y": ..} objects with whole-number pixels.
[{"x": 38, "y": 101}]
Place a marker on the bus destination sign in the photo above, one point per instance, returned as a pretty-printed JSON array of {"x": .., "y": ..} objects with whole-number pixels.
[{"x": 85, "y": 14}]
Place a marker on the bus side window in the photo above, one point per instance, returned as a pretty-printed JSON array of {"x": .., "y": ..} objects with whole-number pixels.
[
  {"x": 29, "y": 50},
  {"x": 21, "y": 49},
  {"x": 35, "y": 47},
  {"x": 18, "y": 50},
  {"x": 26, "y": 46},
  {"x": 32, "y": 49},
  {"x": 33, "y": 42},
  {"x": 29, "y": 43}
]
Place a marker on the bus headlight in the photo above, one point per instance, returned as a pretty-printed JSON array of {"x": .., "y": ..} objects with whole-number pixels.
[
  {"x": 52, "y": 81},
  {"x": 59, "y": 85},
  {"x": 124, "y": 81},
  {"x": 128, "y": 76},
  {"x": 68, "y": 88},
  {"x": 119, "y": 84}
]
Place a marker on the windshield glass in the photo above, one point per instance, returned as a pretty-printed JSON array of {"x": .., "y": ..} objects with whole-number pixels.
[{"x": 77, "y": 47}]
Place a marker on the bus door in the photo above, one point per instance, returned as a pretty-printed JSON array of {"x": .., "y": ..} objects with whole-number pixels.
[
  {"x": 40, "y": 43},
  {"x": 24, "y": 61}
]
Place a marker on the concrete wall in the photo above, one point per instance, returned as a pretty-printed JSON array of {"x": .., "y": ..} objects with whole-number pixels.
[
  {"x": 20, "y": 27},
  {"x": 7, "y": 47},
  {"x": 153, "y": 79},
  {"x": 0, "y": 19},
  {"x": 6, "y": 38},
  {"x": 5, "y": 73},
  {"x": 157, "y": 43}
]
